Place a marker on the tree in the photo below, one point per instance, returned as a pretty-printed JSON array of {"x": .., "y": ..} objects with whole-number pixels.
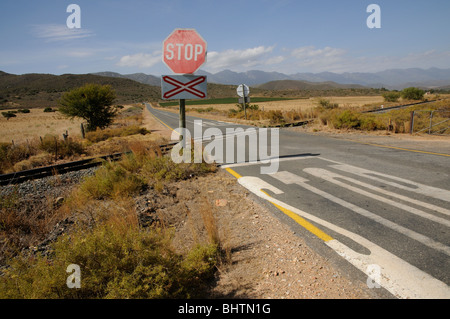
[
  {"x": 92, "y": 102},
  {"x": 391, "y": 96},
  {"x": 412, "y": 93}
]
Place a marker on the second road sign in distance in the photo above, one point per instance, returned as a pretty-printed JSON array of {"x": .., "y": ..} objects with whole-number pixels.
[{"x": 241, "y": 89}]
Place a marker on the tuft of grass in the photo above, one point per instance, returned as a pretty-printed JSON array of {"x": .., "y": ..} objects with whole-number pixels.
[
  {"x": 102, "y": 135},
  {"x": 144, "y": 167},
  {"x": 14, "y": 157},
  {"x": 112, "y": 181},
  {"x": 125, "y": 262},
  {"x": 70, "y": 147}
]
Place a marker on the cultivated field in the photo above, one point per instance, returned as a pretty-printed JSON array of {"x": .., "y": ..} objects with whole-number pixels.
[{"x": 300, "y": 104}]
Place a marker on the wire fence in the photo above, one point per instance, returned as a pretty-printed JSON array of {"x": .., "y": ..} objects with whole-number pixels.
[{"x": 433, "y": 122}]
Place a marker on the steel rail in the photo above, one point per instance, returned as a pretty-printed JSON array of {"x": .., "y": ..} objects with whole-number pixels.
[{"x": 41, "y": 172}]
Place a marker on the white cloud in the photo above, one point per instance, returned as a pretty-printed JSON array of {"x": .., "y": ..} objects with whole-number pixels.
[
  {"x": 231, "y": 59},
  {"x": 142, "y": 60},
  {"x": 275, "y": 60},
  {"x": 326, "y": 59},
  {"x": 59, "y": 32}
]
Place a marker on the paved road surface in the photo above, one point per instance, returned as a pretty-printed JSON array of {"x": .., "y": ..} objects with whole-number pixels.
[{"x": 384, "y": 211}]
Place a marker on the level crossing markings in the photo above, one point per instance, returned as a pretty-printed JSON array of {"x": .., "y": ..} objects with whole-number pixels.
[
  {"x": 396, "y": 275},
  {"x": 289, "y": 179}
]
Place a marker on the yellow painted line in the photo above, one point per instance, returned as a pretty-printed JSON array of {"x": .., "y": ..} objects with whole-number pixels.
[
  {"x": 302, "y": 222},
  {"x": 232, "y": 172},
  {"x": 299, "y": 220},
  {"x": 158, "y": 119}
]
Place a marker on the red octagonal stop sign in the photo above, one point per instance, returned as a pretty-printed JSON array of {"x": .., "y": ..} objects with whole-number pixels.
[{"x": 184, "y": 51}]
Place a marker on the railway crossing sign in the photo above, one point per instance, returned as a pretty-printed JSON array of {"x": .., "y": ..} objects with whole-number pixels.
[
  {"x": 184, "y": 51},
  {"x": 183, "y": 87}
]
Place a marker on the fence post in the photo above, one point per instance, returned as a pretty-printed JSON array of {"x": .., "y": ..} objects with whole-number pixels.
[
  {"x": 411, "y": 128},
  {"x": 56, "y": 149},
  {"x": 431, "y": 122}
]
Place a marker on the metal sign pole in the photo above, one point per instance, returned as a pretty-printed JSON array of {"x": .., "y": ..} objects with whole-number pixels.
[
  {"x": 182, "y": 122},
  {"x": 243, "y": 93}
]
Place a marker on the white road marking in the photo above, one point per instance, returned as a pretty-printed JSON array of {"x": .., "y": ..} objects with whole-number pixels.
[
  {"x": 282, "y": 159},
  {"x": 332, "y": 178},
  {"x": 397, "y": 276},
  {"x": 430, "y": 191},
  {"x": 401, "y": 197},
  {"x": 361, "y": 211}
]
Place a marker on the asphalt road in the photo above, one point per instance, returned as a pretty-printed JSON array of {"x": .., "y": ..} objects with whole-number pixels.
[{"x": 382, "y": 213}]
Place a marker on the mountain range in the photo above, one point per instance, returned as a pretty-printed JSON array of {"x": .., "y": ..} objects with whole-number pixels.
[{"x": 390, "y": 79}]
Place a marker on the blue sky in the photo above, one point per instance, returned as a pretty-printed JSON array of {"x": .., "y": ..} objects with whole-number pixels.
[{"x": 287, "y": 36}]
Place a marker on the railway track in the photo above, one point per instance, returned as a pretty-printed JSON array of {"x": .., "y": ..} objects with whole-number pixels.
[
  {"x": 386, "y": 109},
  {"x": 41, "y": 172}
]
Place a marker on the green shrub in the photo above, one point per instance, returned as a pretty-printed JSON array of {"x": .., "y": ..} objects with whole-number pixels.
[
  {"x": 391, "y": 96},
  {"x": 9, "y": 114},
  {"x": 115, "y": 262},
  {"x": 371, "y": 123},
  {"x": 110, "y": 181},
  {"x": 133, "y": 173},
  {"x": 49, "y": 109},
  {"x": 412, "y": 93},
  {"x": 346, "y": 119}
]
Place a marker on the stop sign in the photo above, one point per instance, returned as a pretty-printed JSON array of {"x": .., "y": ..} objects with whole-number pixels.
[{"x": 184, "y": 51}]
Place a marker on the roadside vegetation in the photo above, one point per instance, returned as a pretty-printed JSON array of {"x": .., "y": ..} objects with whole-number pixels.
[
  {"x": 119, "y": 257},
  {"x": 331, "y": 115},
  {"x": 106, "y": 131},
  {"x": 120, "y": 254}
]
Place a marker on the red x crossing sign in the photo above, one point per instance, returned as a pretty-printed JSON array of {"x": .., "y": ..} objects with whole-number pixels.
[{"x": 183, "y": 87}]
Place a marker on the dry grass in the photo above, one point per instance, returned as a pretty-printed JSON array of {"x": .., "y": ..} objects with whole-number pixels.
[
  {"x": 301, "y": 104},
  {"x": 37, "y": 123}
]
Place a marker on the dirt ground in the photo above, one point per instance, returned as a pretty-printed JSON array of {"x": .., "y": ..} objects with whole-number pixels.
[{"x": 267, "y": 260}]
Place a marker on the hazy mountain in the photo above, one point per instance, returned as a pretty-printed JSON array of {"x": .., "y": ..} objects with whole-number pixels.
[
  {"x": 305, "y": 85},
  {"x": 391, "y": 79},
  {"x": 138, "y": 77}
]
